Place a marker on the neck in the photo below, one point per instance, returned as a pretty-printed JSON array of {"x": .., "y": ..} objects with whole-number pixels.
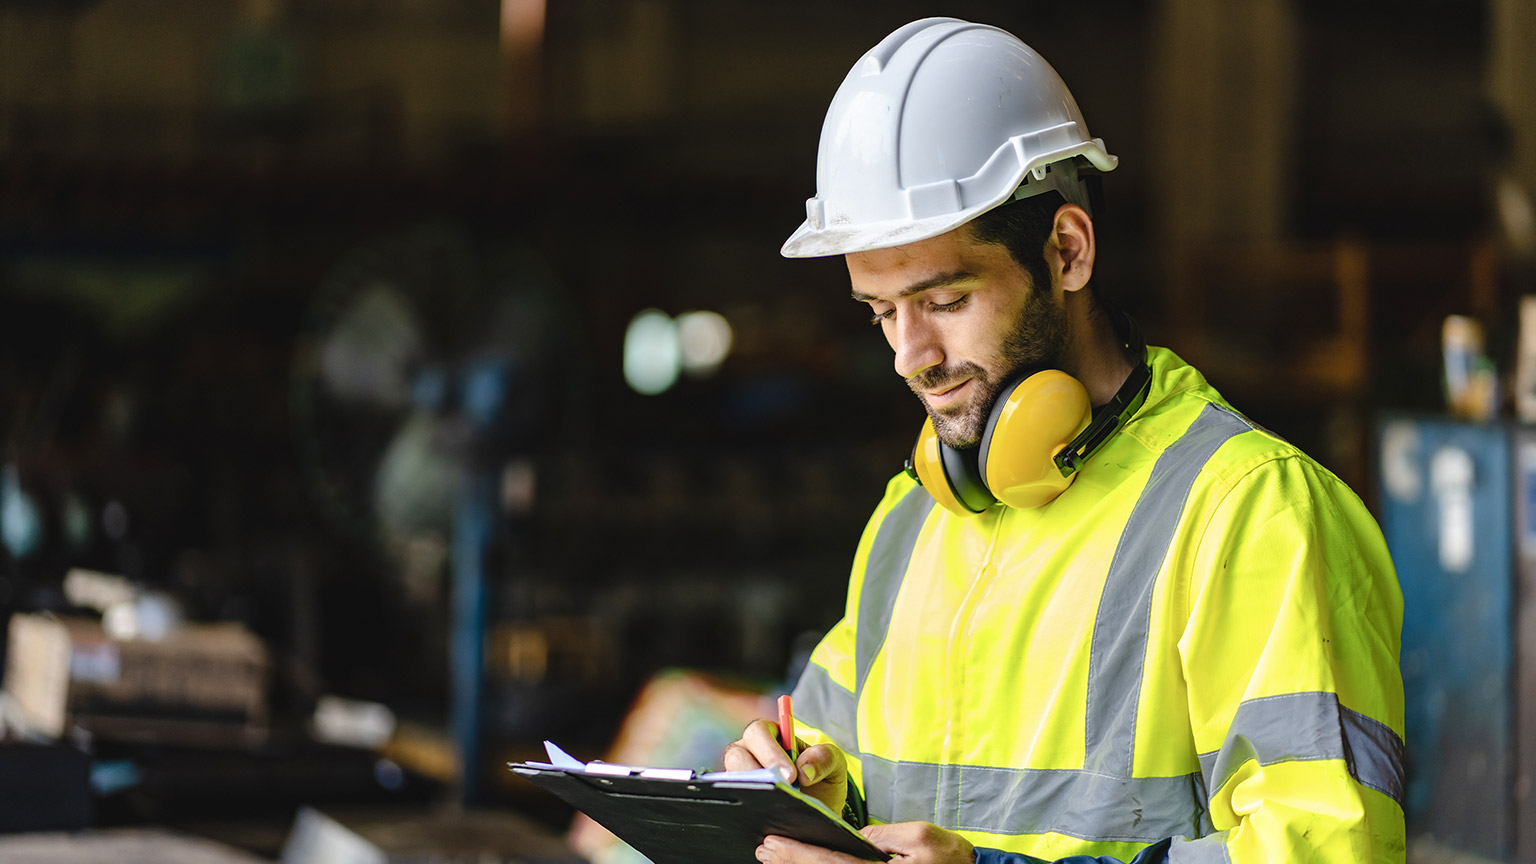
[{"x": 1095, "y": 355}]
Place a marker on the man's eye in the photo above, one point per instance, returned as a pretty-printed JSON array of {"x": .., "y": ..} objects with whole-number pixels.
[
  {"x": 878, "y": 317},
  {"x": 951, "y": 306}
]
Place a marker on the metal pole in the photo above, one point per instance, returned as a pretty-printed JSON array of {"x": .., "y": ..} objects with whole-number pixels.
[{"x": 473, "y": 525}]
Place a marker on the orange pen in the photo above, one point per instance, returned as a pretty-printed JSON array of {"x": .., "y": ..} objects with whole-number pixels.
[{"x": 787, "y": 725}]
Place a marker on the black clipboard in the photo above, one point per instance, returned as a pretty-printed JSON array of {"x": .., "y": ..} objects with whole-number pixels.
[{"x": 697, "y": 821}]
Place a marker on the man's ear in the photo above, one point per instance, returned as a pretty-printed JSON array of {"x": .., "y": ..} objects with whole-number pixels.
[{"x": 1070, "y": 249}]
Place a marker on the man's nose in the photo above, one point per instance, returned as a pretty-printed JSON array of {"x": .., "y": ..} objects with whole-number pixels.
[{"x": 916, "y": 345}]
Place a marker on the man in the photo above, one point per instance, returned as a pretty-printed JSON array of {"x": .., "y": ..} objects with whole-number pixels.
[{"x": 1176, "y": 637}]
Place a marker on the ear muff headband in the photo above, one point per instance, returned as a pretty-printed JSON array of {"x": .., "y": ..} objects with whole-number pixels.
[{"x": 1121, "y": 407}]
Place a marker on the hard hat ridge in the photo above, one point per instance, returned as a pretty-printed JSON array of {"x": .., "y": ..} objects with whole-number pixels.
[{"x": 939, "y": 122}]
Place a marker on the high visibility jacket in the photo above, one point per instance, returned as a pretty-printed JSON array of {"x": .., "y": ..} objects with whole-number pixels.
[{"x": 1198, "y": 640}]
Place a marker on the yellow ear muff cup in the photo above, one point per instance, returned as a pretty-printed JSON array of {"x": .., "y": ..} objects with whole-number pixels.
[
  {"x": 948, "y": 474},
  {"x": 1029, "y": 425}
]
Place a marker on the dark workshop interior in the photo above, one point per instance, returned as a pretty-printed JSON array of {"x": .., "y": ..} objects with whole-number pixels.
[{"x": 388, "y": 386}]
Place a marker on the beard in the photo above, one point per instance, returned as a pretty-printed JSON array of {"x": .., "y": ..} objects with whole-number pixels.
[{"x": 1037, "y": 341}]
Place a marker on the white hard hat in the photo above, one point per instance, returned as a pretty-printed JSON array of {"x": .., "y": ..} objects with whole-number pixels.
[{"x": 940, "y": 122}]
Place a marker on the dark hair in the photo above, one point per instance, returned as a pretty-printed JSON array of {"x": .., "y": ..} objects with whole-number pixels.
[{"x": 1022, "y": 227}]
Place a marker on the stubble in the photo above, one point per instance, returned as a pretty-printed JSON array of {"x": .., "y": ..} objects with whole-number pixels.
[{"x": 1037, "y": 341}]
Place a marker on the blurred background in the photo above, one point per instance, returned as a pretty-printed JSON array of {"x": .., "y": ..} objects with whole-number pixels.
[{"x": 389, "y": 385}]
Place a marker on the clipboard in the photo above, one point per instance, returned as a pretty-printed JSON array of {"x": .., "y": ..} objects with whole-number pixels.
[{"x": 677, "y": 816}]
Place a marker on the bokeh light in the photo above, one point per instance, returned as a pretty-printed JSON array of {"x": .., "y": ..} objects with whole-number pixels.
[
  {"x": 705, "y": 340},
  {"x": 652, "y": 354}
]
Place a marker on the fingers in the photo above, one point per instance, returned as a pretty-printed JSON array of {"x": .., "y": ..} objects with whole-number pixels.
[
  {"x": 782, "y": 850},
  {"x": 920, "y": 843},
  {"x": 824, "y": 775},
  {"x": 911, "y": 842},
  {"x": 739, "y": 758},
  {"x": 894, "y": 838},
  {"x": 823, "y": 762},
  {"x": 822, "y": 770},
  {"x": 759, "y": 747}
]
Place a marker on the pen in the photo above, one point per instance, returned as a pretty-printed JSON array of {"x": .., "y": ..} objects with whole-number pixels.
[{"x": 787, "y": 725}]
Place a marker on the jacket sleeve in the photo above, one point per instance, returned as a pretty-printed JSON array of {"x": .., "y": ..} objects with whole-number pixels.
[{"x": 1290, "y": 655}]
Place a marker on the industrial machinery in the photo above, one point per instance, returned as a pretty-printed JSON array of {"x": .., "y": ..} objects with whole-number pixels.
[{"x": 434, "y": 371}]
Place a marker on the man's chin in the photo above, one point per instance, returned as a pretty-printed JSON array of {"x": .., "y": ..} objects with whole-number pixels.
[
  {"x": 955, "y": 425},
  {"x": 949, "y": 432}
]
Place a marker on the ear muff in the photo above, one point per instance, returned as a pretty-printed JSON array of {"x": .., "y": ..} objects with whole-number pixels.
[
  {"x": 1040, "y": 432},
  {"x": 949, "y": 475},
  {"x": 1030, "y": 423}
]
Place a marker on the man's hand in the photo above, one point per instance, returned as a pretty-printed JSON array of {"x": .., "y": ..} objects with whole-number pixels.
[
  {"x": 821, "y": 770},
  {"x": 909, "y": 842}
]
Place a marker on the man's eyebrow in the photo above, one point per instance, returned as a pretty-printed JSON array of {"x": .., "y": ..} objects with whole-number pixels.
[{"x": 943, "y": 280}]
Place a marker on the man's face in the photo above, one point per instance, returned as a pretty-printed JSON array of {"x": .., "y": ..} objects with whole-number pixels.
[{"x": 963, "y": 319}]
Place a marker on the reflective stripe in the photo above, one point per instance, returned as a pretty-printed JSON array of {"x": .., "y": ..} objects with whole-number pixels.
[
  {"x": 1210, "y": 849},
  {"x": 1376, "y": 755},
  {"x": 1119, "y": 649},
  {"x": 1091, "y": 803},
  {"x": 888, "y": 559},
  {"x": 824, "y": 704},
  {"x": 1037, "y": 801},
  {"x": 1305, "y": 727}
]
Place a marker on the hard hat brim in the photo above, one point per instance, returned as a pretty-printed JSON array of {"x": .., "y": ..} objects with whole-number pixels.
[{"x": 809, "y": 242}]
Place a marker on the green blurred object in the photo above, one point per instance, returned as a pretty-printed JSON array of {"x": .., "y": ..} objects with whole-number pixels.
[{"x": 127, "y": 298}]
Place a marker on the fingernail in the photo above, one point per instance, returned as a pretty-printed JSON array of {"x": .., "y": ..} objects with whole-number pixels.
[
  {"x": 809, "y": 773},
  {"x": 787, "y": 773},
  {"x": 761, "y": 854}
]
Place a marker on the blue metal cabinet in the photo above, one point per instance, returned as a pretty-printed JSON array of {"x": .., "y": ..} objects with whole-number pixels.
[
  {"x": 1524, "y": 622},
  {"x": 1447, "y": 492}
]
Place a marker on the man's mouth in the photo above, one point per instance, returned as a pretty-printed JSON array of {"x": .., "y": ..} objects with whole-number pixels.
[{"x": 948, "y": 394}]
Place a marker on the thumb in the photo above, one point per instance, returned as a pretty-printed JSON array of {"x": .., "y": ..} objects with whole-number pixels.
[
  {"x": 888, "y": 838},
  {"x": 877, "y": 832},
  {"x": 820, "y": 763}
]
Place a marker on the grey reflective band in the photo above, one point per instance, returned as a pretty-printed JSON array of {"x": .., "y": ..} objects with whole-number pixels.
[
  {"x": 1375, "y": 754},
  {"x": 887, "y": 566},
  {"x": 1036, "y": 801},
  {"x": 1101, "y": 801},
  {"x": 1119, "y": 650},
  {"x": 1090, "y": 803},
  {"x": 822, "y": 702},
  {"x": 1306, "y": 727}
]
